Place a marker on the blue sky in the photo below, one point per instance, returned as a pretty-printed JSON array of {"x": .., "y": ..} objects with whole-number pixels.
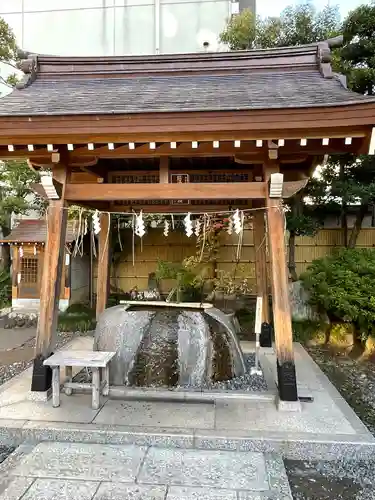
[{"x": 268, "y": 7}]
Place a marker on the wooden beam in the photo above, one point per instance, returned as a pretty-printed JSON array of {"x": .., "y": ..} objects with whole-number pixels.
[
  {"x": 282, "y": 319},
  {"x": 247, "y": 152},
  {"x": 102, "y": 284},
  {"x": 51, "y": 283},
  {"x": 178, "y": 208},
  {"x": 189, "y": 191},
  {"x": 260, "y": 245},
  {"x": 164, "y": 170}
]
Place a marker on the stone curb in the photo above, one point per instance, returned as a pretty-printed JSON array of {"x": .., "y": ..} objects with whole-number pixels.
[{"x": 298, "y": 448}]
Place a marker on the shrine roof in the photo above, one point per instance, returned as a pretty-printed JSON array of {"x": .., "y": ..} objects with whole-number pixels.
[
  {"x": 293, "y": 77},
  {"x": 35, "y": 231}
]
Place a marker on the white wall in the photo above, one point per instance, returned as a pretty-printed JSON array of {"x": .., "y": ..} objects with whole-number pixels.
[{"x": 115, "y": 27}]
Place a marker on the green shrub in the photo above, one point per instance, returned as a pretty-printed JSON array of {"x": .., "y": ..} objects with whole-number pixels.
[
  {"x": 343, "y": 285},
  {"x": 5, "y": 289},
  {"x": 77, "y": 318}
]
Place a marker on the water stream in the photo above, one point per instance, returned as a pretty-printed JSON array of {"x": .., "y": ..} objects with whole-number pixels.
[{"x": 169, "y": 347}]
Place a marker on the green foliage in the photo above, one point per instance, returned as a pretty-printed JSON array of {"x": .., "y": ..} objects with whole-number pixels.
[
  {"x": 5, "y": 288},
  {"x": 358, "y": 53},
  {"x": 8, "y": 51},
  {"x": 297, "y": 25},
  {"x": 77, "y": 318},
  {"x": 240, "y": 31},
  {"x": 305, "y": 331},
  {"x": 15, "y": 179},
  {"x": 228, "y": 284},
  {"x": 343, "y": 285},
  {"x": 188, "y": 283}
]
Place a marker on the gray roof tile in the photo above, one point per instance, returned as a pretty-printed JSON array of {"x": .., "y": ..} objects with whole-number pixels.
[{"x": 178, "y": 93}]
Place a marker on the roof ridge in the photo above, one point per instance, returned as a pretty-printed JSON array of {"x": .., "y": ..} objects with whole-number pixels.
[{"x": 315, "y": 55}]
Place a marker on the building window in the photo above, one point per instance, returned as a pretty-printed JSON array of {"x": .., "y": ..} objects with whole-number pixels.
[{"x": 29, "y": 270}]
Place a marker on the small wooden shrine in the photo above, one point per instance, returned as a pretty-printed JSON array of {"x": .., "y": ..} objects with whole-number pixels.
[
  {"x": 27, "y": 241},
  {"x": 181, "y": 134}
]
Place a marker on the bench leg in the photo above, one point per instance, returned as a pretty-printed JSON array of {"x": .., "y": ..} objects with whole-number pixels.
[
  {"x": 95, "y": 388},
  {"x": 106, "y": 380},
  {"x": 55, "y": 386},
  {"x": 69, "y": 376}
]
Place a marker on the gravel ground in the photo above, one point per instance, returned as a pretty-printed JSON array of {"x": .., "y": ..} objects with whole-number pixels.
[
  {"x": 5, "y": 451},
  {"x": 341, "y": 480},
  {"x": 355, "y": 380},
  {"x": 347, "y": 479},
  {"x": 17, "y": 360}
]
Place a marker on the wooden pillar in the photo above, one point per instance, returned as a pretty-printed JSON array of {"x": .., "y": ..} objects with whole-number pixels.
[
  {"x": 102, "y": 284},
  {"x": 15, "y": 271},
  {"x": 164, "y": 170},
  {"x": 50, "y": 287},
  {"x": 260, "y": 244},
  {"x": 282, "y": 320},
  {"x": 67, "y": 275}
]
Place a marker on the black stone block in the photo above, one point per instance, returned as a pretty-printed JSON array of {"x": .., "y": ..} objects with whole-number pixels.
[
  {"x": 287, "y": 382},
  {"x": 42, "y": 375}
]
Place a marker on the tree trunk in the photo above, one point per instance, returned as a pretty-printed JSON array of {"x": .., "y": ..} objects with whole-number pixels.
[
  {"x": 344, "y": 223},
  {"x": 359, "y": 343},
  {"x": 344, "y": 209},
  {"x": 5, "y": 249},
  {"x": 357, "y": 225},
  {"x": 292, "y": 256}
]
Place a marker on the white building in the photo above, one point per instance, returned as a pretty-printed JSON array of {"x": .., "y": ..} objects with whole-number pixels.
[{"x": 118, "y": 27}]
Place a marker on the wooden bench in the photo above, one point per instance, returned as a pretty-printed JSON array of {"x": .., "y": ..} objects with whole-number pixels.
[{"x": 97, "y": 361}]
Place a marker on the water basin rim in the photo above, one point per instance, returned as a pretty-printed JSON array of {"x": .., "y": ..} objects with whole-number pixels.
[{"x": 161, "y": 303}]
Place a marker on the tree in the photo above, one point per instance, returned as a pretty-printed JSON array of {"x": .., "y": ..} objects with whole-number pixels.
[
  {"x": 240, "y": 32},
  {"x": 15, "y": 176},
  {"x": 297, "y": 25},
  {"x": 15, "y": 191},
  {"x": 351, "y": 180},
  {"x": 8, "y": 51},
  {"x": 358, "y": 53}
]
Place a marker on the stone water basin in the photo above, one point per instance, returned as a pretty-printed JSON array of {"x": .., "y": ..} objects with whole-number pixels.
[{"x": 160, "y": 344}]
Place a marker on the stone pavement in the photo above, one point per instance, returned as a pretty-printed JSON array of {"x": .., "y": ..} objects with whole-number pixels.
[
  {"x": 15, "y": 337},
  {"x": 324, "y": 428},
  {"x": 77, "y": 471}
]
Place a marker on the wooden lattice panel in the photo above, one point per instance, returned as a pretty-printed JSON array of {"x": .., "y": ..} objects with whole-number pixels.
[{"x": 29, "y": 270}]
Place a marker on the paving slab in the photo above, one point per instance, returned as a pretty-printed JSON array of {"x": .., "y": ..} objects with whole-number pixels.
[
  {"x": 184, "y": 493},
  {"x": 60, "y": 489},
  {"x": 323, "y": 417},
  {"x": 92, "y": 462},
  {"x": 217, "y": 469},
  {"x": 75, "y": 408},
  {"x": 16, "y": 488},
  {"x": 112, "y": 491},
  {"x": 158, "y": 413}
]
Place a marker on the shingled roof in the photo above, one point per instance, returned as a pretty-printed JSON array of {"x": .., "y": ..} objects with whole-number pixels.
[
  {"x": 294, "y": 77},
  {"x": 35, "y": 231}
]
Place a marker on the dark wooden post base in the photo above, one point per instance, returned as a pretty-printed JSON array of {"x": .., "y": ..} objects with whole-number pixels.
[
  {"x": 265, "y": 338},
  {"x": 42, "y": 375},
  {"x": 286, "y": 381}
]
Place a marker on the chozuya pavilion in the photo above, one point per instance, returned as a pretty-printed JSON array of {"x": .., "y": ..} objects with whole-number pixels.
[{"x": 120, "y": 132}]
